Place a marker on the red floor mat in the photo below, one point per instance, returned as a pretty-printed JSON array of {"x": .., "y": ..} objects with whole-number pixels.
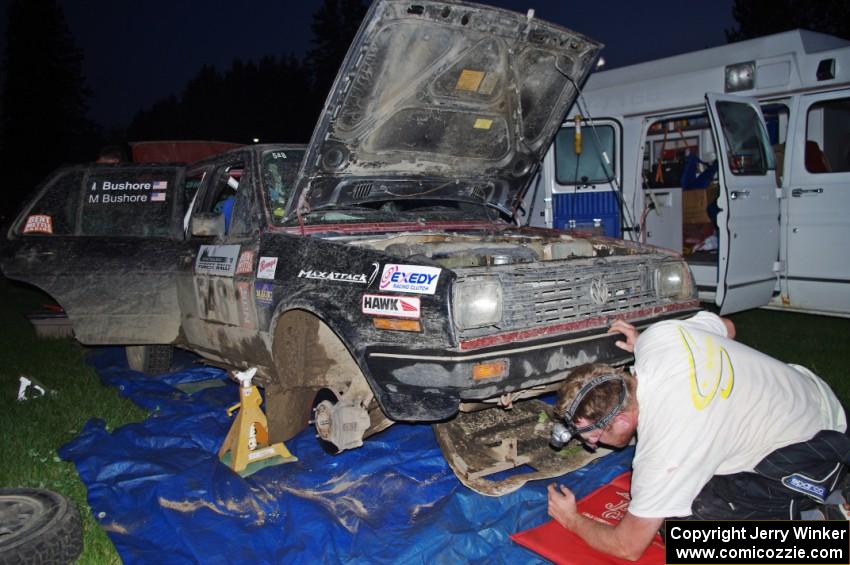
[{"x": 607, "y": 504}]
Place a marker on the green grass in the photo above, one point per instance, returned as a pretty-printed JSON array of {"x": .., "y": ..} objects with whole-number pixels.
[
  {"x": 34, "y": 429},
  {"x": 817, "y": 342}
]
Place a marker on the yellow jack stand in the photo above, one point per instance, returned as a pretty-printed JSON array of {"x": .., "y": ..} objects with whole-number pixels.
[{"x": 246, "y": 449}]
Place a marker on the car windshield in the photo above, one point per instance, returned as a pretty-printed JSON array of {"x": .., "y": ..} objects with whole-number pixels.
[{"x": 280, "y": 167}]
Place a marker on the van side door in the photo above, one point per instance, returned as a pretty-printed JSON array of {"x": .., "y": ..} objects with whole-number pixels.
[
  {"x": 748, "y": 220},
  {"x": 817, "y": 213}
]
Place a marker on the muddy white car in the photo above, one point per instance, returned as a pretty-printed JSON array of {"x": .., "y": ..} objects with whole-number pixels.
[{"x": 378, "y": 274}]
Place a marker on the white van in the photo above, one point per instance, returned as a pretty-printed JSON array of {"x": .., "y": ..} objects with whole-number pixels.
[{"x": 738, "y": 157}]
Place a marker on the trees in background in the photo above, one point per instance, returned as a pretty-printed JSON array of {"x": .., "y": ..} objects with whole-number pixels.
[
  {"x": 276, "y": 99},
  {"x": 270, "y": 100},
  {"x": 43, "y": 105},
  {"x": 44, "y": 99},
  {"x": 763, "y": 17}
]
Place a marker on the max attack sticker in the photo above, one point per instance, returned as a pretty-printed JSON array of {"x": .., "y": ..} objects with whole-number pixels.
[
  {"x": 39, "y": 223},
  {"x": 217, "y": 260},
  {"x": 410, "y": 278},
  {"x": 357, "y": 278},
  {"x": 395, "y": 306},
  {"x": 246, "y": 263},
  {"x": 267, "y": 267}
]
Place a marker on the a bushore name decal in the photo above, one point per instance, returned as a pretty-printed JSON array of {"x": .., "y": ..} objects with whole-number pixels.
[
  {"x": 392, "y": 306},
  {"x": 110, "y": 192},
  {"x": 410, "y": 278},
  {"x": 217, "y": 260},
  {"x": 39, "y": 223}
]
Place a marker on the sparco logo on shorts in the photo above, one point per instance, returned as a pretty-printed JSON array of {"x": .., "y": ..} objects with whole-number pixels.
[
  {"x": 801, "y": 484},
  {"x": 410, "y": 278}
]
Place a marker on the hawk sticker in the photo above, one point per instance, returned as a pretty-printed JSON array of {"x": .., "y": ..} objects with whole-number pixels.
[{"x": 392, "y": 306}]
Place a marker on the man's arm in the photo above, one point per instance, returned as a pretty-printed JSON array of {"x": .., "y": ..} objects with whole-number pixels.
[{"x": 627, "y": 540}]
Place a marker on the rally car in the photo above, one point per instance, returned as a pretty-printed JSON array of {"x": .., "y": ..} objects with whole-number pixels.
[{"x": 377, "y": 274}]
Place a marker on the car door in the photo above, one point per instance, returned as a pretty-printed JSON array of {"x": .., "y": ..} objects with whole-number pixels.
[
  {"x": 816, "y": 219},
  {"x": 218, "y": 268},
  {"x": 748, "y": 220},
  {"x": 103, "y": 241}
]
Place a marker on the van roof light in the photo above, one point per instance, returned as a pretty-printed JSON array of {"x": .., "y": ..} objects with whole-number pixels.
[
  {"x": 826, "y": 69},
  {"x": 740, "y": 76}
]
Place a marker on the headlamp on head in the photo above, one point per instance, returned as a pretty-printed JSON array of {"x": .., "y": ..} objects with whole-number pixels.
[{"x": 563, "y": 432}]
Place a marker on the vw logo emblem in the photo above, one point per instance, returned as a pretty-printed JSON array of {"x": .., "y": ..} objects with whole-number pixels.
[{"x": 598, "y": 291}]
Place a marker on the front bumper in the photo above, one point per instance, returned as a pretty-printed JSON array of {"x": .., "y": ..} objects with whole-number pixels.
[{"x": 429, "y": 385}]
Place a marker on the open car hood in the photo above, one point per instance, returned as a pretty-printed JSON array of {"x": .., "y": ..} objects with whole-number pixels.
[{"x": 442, "y": 100}]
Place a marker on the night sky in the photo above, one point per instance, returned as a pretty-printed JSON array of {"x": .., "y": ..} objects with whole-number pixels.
[{"x": 139, "y": 51}]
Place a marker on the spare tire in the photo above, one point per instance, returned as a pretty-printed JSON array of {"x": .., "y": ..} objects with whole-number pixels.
[
  {"x": 38, "y": 526},
  {"x": 149, "y": 359}
]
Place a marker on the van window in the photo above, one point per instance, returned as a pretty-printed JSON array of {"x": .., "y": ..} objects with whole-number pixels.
[
  {"x": 588, "y": 167},
  {"x": 746, "y": 139},
  {"x": 776, "y": 120},
  {"x": 55, "y": 212},
  {"x": 828, "y": 137},
  {"x": 679, "y": 152},
  {"x": 128, "y": 202}
]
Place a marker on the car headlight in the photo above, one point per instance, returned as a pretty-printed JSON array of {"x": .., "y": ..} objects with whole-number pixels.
[
  {"x": 477, "y": 302},
  {"x": 673, "y": 280}
]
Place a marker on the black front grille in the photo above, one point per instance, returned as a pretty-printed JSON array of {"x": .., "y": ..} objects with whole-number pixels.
[{"x": 553, "y": 292}]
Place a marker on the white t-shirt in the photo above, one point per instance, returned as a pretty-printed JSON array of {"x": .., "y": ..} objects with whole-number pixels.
[{"x": 710, "y": 406}]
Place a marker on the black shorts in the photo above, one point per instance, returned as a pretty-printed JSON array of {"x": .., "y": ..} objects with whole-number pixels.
[{"x": 791, "y": 479}]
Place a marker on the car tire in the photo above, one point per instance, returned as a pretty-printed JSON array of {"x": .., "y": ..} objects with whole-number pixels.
[
  {"x": 38, "y": 526},
  {"x": 149, "y": 359}
]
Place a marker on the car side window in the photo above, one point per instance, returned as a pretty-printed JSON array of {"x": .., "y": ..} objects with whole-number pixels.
[
  {"x": 279, "y": 170},
  {"x": 216, "y": 202},
  {"x": 55, "y": 211},
  {"x": 129, "y": 202},
  {"x": 828, "y": 137}
]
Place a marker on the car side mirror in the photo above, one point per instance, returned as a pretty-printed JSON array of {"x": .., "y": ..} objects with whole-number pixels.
[{"x": 207, "y": 224}]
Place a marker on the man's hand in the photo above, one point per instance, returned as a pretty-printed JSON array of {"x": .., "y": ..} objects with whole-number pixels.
[
  {"x": 562, "y": 505},
  {"x": 628, "y": 330},
  {"x": 730, "y": 327}
]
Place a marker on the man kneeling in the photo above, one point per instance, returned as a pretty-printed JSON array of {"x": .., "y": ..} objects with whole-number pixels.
[{"x": 723, "y": 432}]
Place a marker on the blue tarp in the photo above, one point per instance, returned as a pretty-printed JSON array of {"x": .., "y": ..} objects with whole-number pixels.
[{"x": 159, "y": 491}]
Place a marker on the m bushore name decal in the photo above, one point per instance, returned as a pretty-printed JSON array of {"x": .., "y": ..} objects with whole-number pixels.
[
  {"x": 760, "y": 542},
  {"x": 127, "y": 192}
]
